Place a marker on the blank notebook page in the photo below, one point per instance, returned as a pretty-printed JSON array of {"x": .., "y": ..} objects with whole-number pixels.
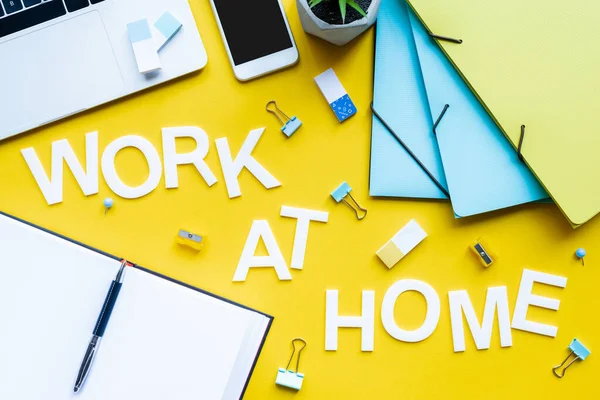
[{"x": 163, "y": 341}]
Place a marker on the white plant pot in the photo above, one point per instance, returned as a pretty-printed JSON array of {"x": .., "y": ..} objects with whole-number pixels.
[{"x": 336, "y": 34}]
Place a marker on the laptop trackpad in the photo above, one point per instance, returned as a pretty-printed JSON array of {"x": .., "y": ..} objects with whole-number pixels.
[{"x": 56, "y": 71}]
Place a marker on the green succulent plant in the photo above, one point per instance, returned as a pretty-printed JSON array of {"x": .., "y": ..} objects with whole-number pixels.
[{"x": 343, "y": 4}]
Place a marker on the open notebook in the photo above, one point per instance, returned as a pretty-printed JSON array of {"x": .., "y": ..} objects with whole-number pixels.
[{"x": 165, "y": 339}]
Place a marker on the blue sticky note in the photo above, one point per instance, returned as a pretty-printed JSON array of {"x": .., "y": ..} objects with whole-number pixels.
[
  {"x": 400, "y": 98},
  {"x": 481, "y": 167},
  {"x": 138, "y": 31},
  {"x": 167, "y": 26}
]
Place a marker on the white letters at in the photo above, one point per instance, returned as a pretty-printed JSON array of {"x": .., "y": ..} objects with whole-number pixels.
[
  {"x": 261, "y": 229},
  {"x": 304, "y": 216}
]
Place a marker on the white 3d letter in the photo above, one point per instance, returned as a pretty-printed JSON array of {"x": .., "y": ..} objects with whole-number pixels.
[
  {"x": 304, "y": 216},
  {"x": 231, "y": 169},
  {"x": 431, "y": 318},
  {"x": 496, "y": 299},
  {"x": 52, "y": 188},
  {"x": 196, "y": 157},
  {"x": 366, "y": 322},
  {"x": 274, "y": 259},
  {"x": 112, "y": 178},
  {"x": 525, "y": 299}
]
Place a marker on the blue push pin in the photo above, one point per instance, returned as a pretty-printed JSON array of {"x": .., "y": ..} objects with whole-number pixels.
[
  {"x": 108, "y": 203},
  {"x": 290, "y": 125},
  {"x": 580, "y": 253}
]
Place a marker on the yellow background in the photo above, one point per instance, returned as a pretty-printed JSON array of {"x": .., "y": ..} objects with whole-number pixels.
[{"x": 341, "y": 253}]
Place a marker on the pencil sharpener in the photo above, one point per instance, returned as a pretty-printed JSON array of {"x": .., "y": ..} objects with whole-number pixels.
[
  {"x": 483, "y": 252},
  {"x": 186, "y": 238}
]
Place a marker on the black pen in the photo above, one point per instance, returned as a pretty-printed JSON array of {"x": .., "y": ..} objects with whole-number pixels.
[{"x": 92, "y": 349}]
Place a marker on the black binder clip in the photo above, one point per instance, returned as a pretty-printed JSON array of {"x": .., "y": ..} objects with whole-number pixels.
[
  {"x": 520, "y": 146},
  {"x": 437, "y": 121},
  {"x": 445, "y": 38}
]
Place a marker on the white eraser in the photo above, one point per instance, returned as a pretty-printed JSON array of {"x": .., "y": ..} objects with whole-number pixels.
[
  {"x": 164, "y": 29},
  {"x": 144, "y": 46},
  {"x": 409, "y": 236},
  {"x": 330, "y": 86},
  {"x": 335, "y": 94},
  {"x": 401, "y": 244}
]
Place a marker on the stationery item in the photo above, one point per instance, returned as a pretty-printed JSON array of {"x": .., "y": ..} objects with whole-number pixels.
[
  {"x": 401, "y": 244},
  {"x": 164, "y": 29},
  {"x": 101, "y": 324},
  {"x": 288, "y": 378},
  {"x": 405, "y": 159},
  {"x": 290, "y": 125},
  {"x": 165, "y": 339},
  {"x": 580, "y": 254},
  {"x": 483, "y": 252},
  {"x": 482, "y": 169},
  {"x": 108, "y": 203},
  {"x": 578, "y": 352},
  {"x": 336, "y": 95},
  {"x": 144, "y": 47},
  {"x": 542, "y": 93},
  {"x": 341, "y": 193},
  {"x": 190, "y": 239}
]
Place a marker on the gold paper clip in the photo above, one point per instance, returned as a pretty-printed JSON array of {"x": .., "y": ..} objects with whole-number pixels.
[
  {"x": 289, "y": 125},
  {"x": 578, "y": 350},
  {"x": 341, "y": 193},
  {"x": 288, "y": 378}
]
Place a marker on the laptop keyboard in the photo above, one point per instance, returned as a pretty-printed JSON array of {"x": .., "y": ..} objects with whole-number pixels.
[{"x": 16, "y": 15}]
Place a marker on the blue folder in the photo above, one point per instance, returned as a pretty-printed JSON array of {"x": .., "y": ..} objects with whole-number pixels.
[
  {"x": 413, "y": 83},
  {"x": 483, "y": 170},
  {"x": 400, "y": 99}
]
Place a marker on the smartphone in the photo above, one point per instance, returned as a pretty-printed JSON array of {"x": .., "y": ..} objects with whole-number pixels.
[{"x": 257, "y": 36}]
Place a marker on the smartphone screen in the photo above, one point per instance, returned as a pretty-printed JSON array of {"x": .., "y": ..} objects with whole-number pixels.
[{"x": 253, "y": 29}]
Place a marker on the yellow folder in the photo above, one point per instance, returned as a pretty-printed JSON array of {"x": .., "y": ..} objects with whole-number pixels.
[{"x": 534, "y": 63}]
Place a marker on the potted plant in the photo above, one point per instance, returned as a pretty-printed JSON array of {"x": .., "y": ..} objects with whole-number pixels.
[{"x": 337, "y": 21}]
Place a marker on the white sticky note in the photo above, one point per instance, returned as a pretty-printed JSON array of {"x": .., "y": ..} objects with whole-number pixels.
[{"x": 144, "y": 46}]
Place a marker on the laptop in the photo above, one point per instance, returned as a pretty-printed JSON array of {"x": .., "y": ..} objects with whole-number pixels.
[{"x": 61, "y": 57}]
